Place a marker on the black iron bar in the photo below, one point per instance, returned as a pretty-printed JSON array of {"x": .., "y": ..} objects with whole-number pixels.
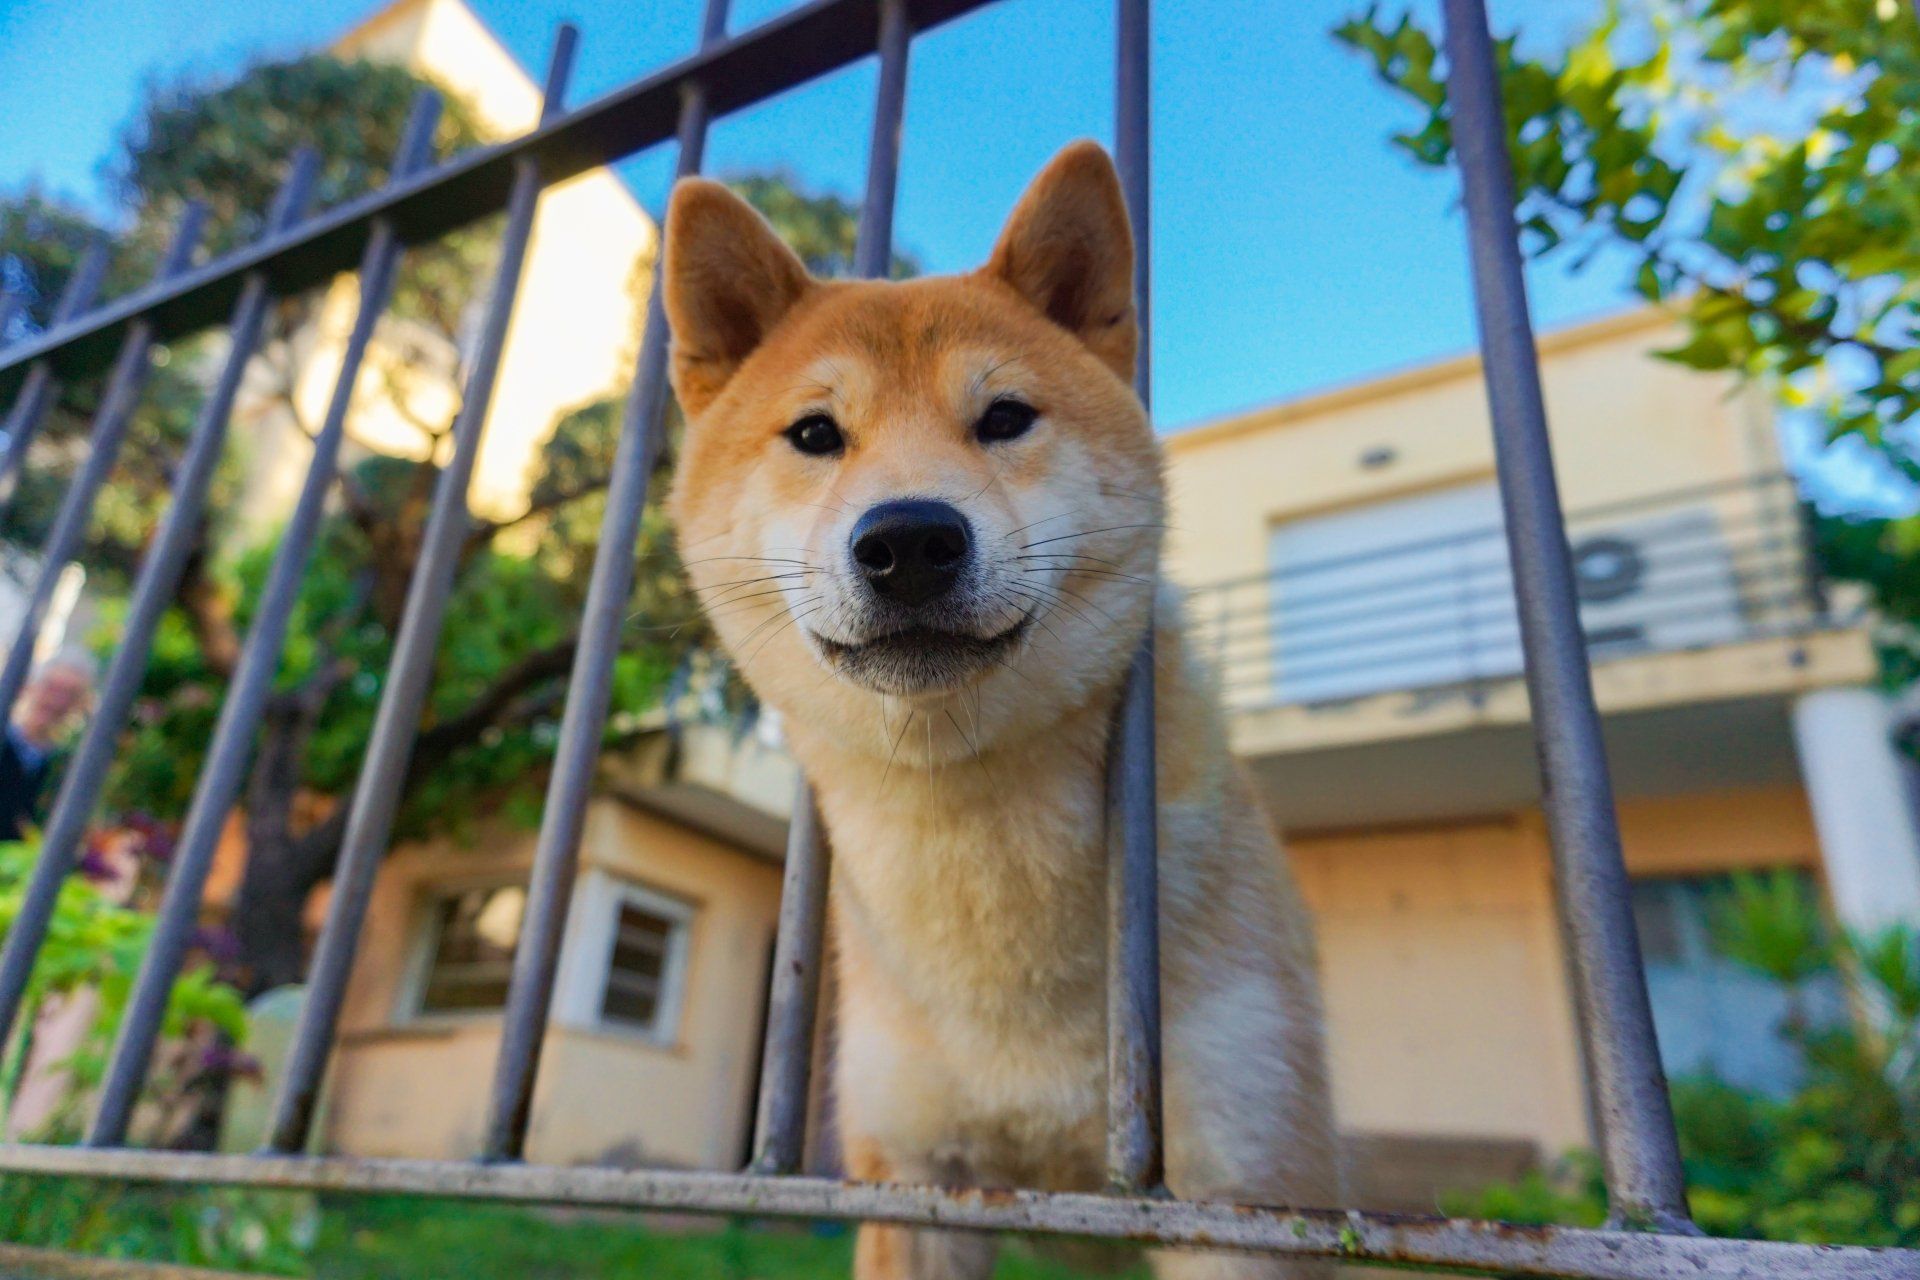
[
  {"x": 118, "y": 403},
  {"x": 1509, "y": 638},
  {"x": 792, "y": 49},
  {"x": 1398, "y": 591},
  {"x": 1629, "y": 1089},
  {"x": 1606, "y": 510},
  {"x": 1267, "y": 619},
  {"x": 589, "y": 690},
  {"x": 40, "y": 388},
  {"x": 793, "y": 1002},
  {"x": 1250, "y": 595},
  {"x": 377, "y": 793},
  {"x": 1261, "y": 677},
  {"x": 1412, "y": 615},
  {"x": 231, "y": 746},
  {"x": 153, "y": 591},
  {"x": 1133, "y": 848}
]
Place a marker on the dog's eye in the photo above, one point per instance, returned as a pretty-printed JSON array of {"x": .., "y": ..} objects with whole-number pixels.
[
  {"x": 816, "y": 434},
  {"x": 1005, "y": 420}
]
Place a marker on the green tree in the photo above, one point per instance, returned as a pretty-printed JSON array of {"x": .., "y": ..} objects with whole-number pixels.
[
  {"x": 227, "y": 144},
  {"x": 494, "y": 706},
  {"x": 1753, "y": 164}
]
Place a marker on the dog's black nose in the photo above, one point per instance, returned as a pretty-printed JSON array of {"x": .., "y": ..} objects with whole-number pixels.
[{"x": 911, "y": 551}]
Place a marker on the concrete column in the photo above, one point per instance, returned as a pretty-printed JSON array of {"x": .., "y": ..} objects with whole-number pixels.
[{"x": 1863, "y": 806}]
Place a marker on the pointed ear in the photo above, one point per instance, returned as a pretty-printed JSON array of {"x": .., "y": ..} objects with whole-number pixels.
[
  {"x": 1068, "y": 250},
  {"x": 727, "y": 281}
]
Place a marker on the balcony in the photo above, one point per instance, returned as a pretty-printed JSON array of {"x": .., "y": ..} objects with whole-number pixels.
[{"x": 1379, "y": 657}]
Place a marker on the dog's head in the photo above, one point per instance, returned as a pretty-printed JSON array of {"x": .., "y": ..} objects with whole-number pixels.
[{"x": 939, "y": 488}]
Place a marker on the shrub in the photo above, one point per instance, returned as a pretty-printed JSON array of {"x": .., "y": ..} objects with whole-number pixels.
[
  {"x": 1838, "y": 1161},
  {"x": 95, "y": 943}
]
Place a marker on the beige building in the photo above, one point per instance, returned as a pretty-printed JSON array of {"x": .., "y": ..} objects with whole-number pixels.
[
  {"x": 1350, "y": 582},
  {"x": 576, "y": 318}
]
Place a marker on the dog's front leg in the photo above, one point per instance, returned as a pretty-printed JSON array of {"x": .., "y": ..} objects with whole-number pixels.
[{"x": 888, "y": 1252}]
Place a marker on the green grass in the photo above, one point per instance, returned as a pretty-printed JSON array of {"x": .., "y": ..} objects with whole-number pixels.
[{"x": 411, "y": 1238}]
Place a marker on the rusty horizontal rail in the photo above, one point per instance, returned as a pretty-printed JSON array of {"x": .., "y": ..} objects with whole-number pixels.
[{"x": 1437, "y": 1243}]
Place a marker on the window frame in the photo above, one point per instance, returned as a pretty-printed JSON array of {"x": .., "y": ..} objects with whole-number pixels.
[
  {"x": 586, "y": 962},
  {"x": 425, "y": 933}
]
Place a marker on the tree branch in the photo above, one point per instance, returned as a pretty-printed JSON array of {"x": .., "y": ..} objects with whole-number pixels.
[{"x": 493, "y": 705}]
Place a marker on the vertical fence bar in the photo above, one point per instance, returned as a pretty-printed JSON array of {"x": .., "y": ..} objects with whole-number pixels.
[
  {"x": 158, "y": 580},
  {"x": 793, "y": 1004},
  {"x": 1636, "y": 1136},
  {"x": 117, "y": 404},
  {"x": 383, "y": 771},
  {"x": 40, "y": 388},
  {"x": 109, "y": 430},
  {"x": 873, "y": 245},
  {"x": 1133, "y": 848},
  {"x": 793, "y": 1000},
  {"x": 231, "y": 746},
  {"x": 584, "y": 720}
]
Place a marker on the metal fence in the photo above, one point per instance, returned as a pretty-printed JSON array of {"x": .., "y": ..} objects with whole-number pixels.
[
  {"x": 1651, "y": 1235},
  {"x": 1436, "y": 615}
]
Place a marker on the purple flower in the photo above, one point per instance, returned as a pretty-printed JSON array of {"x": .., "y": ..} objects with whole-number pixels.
[
  {"x": 96, "y": 864},
  {"x": 220, "y": 943},
  {"x": 156, "y": 837}
]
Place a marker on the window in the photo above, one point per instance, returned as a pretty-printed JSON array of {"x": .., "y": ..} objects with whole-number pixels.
[
  {"x": 1416, "y": 592},
  {"x": 1713, "y": 1015},
  {"x": 625, "y": 969},
  {"x": 1402, "y": 594},
  {"x": 469, "y": 949},
  {"x": 622, "y": 966},
  {"x": 636, "y": 971}
]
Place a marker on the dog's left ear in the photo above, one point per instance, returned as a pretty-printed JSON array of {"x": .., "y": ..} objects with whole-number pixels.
[
  {"x": 1068, "y": 250},
  {"x": 728, "y": 280}
]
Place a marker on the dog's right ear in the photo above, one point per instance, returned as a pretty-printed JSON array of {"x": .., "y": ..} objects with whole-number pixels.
[{"x": 729, "y": 279}]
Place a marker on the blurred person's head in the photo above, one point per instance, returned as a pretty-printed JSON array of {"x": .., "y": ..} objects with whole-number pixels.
[{"x": 58, "y": 691}]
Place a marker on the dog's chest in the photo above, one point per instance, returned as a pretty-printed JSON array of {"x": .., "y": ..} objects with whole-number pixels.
[{"x": 984, "y": 909}]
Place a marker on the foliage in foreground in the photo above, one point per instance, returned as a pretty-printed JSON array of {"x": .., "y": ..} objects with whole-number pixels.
[
  {"x": 404, "y": 1238},
  {"x": 1838, "y": 1161},
  {"x": 94, "y": 944}
]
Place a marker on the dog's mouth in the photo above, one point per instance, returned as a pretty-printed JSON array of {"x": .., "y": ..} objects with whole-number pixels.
[{"x": 919, "y": 659}]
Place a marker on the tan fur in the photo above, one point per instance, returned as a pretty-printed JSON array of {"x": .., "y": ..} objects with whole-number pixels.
[{"x": 968, "y": 889}]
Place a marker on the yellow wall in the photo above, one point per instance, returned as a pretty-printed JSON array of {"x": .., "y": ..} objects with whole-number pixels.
[
  {"x": 1624, "y": 425},
  {"x": 575, "y": 327},
  {"x": 1447, "y": 999},
  {"x": 1720, "y": 831},
  {"x": 1447, "y": 1009},
  {"x": 419, "y": 1089}
]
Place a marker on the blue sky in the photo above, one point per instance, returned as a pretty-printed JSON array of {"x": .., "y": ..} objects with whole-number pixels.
[{"x": 1293, "y": 248}]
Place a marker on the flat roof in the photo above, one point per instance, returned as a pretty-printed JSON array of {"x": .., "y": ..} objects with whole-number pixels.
[{"x": 1398, "y": 382}]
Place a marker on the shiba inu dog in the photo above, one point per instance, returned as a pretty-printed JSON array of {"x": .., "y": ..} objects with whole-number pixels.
[{"x": 925, "y": 519}]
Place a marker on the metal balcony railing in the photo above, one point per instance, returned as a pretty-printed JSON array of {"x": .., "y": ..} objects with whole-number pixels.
[
  {"x": 1651, "y": 1237},
  {"x": 1710, "y": 565}
]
